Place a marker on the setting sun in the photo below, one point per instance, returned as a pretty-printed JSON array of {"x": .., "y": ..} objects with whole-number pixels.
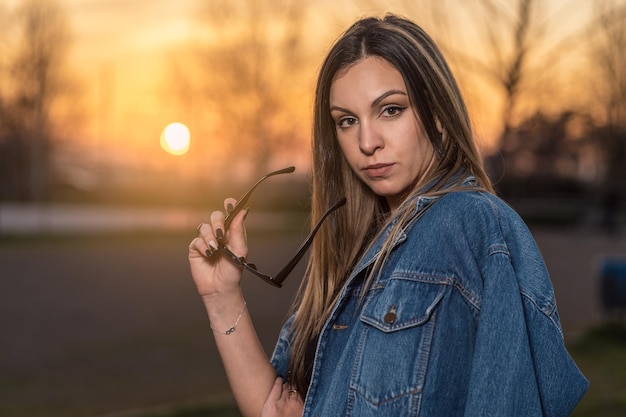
[{"x": 175, "y": 139}]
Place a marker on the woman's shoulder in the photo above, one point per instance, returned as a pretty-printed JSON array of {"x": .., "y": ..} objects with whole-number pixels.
[
  {"x": 476, "y": 205},
  {"x": 480, "y": 214}
]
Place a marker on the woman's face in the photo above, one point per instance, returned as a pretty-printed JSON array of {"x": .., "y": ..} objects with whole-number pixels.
[{"x": 378, "y": 132}]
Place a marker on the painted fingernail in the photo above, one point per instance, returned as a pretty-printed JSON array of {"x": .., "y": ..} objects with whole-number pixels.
[
  {"x": 229, "y": 207},
  {"x": 219, "y": 233},
  {"x": 208, "y": 253},
  {"x": 213, "y": 246}
]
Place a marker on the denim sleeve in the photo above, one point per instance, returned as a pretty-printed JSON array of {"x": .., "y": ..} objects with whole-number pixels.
[
  {"x": 282, "y": 350},
  {"x": 520, "y": 366}
]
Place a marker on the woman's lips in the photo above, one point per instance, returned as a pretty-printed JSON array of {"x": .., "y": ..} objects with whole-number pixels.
[{"x": 377, "y": 170}]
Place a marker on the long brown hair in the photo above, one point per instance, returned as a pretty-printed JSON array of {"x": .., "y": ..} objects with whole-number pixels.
[{"x": 438, "y": 104}]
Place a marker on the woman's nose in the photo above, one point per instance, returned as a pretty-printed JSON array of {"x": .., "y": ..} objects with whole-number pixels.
[{"x": 370, "y": 139}]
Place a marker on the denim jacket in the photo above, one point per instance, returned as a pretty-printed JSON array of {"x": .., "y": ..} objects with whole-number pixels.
[{"x": 462, "y": 321}]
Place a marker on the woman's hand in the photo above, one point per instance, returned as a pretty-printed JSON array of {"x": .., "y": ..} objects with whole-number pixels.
[
  {"x": 283, "y": 401},
  {"x": 214, "y": 273}
]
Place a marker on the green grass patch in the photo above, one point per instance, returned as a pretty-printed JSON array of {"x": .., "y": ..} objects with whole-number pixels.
[{"x": 601, "y": 355}]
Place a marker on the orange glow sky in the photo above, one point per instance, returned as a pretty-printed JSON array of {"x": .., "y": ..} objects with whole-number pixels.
[{"x": 120, "y": 50}]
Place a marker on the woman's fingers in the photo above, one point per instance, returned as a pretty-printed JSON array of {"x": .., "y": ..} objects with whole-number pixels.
[
  {"x": 290, "y": 392},
  {"x": 205, "y": 243},
  {"x": 277, "y": 390},
  {"x": 229, "y": 205},
  {"x": 233, "y": 232},
  {"x": 283, "y": 400},
  {"x": 212, "y": 272},
  {"x": 214, "y": 233},
  {"x": 217, "y": 227}
]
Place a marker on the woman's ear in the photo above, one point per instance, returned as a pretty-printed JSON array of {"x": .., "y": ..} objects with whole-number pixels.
[{"x": 439, "y": 126}]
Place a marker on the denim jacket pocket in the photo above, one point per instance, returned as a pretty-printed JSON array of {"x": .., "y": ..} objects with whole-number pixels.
[
  {"x": 398, "y": 325},
  {"x": 403, "y": 303}
]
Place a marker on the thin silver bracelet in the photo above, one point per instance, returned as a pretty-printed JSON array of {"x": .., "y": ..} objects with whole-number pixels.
[{"x": 232, "y": 329}]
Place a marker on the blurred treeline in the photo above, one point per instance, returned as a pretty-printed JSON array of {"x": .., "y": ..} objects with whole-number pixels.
[
  {"x": 545, "y": 83},
  {"x": 34, "y": 39}
]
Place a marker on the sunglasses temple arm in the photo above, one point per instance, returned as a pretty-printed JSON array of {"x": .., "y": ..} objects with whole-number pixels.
[
  {"x": 291, "y": 264},
  {"x": 244, "y": 199}
]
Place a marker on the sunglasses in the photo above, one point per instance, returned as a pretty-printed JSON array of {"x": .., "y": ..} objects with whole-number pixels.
[{"x": 278, "y": 279}]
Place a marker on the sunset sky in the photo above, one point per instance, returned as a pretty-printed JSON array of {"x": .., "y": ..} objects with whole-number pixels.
[{"x": 121, "y": 49}]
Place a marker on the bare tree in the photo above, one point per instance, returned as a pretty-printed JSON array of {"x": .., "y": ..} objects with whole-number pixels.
[
  {"x": 253, "y": 68},
  {"x": 493, "y": 47},
  {"x": 607, "y": 44},
  {"x": 607, "y": 34},
  {"x": 505, "y": 35},
  {"x": 36, "y": 75}
]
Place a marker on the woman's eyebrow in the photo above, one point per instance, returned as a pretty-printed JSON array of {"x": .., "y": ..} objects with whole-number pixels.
[
  {"x": 341, "y": 109},
  {"x": 376, "y": 102}
]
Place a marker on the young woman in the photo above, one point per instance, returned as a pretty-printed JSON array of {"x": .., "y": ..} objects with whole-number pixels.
[{"x": 426, "y": 294}]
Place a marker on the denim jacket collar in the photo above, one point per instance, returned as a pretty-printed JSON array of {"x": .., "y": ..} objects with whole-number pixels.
[{"x": 420, "y": 203}]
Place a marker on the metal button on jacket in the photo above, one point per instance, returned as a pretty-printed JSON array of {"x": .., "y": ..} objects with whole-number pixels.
[{"x": 390, "y": 317}]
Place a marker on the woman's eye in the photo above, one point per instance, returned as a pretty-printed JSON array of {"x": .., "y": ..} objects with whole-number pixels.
[
  {"x": 391, "y": 111},
  {"x": 346, "y": 122}
]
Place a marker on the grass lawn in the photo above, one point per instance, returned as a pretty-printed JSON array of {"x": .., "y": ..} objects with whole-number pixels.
[{"x": 601, "y": 355}]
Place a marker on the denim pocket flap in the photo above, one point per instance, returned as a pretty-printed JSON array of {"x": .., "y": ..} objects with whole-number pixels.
[{"x": 402, "y": 303}]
